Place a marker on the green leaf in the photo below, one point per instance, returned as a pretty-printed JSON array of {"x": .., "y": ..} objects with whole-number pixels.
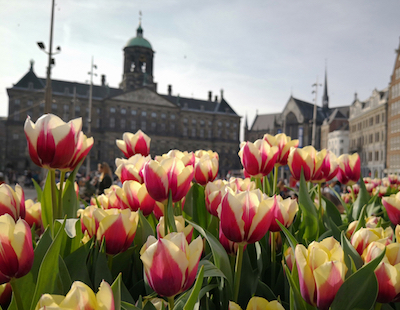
[
  {"x": 46, "y": 204},
  {"x": 335, "y": 230},
  {"x": 116, "y": 289},
  {"x": 101, "y": 270},
  {"x": 76, "y": 264},
  {"x": 128, "y": 306},
  {"x": 332, "y": 212},
  {"x": 221, "y": 259},
  {"x": 194, "y": 295},
  {"x": 64, "y": 277},
  {"x": 210, "y": 270},
  {"x": 360, "y": 290},
  {"x": 263, "y": 290},
  {"x": 143, "y": 231},
  {"x": 362, "y": 199},
  {"x": 309, "y": 224},
  {"x": 361, "y": 220},
  {"x": 38, "y": 190},
  {"x": 298, "y": 301},
  {"x": 171, "y": 219},
  {"x": 48, "y": 271},
  {"x": 70, "y": 202},
  {"x": 292, "y": 240},
  {"x": 350, "y": 251}
]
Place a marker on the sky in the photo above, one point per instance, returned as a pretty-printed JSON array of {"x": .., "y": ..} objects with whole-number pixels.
[{"x": 260, "y": 52}]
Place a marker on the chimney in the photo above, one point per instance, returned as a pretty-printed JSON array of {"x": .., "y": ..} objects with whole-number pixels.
[
  {"x": 216, "y": 98},
  {"x": 222, "y": 94},
  {"x": 210, "y": 96},
  {"x": 103, "y": 80},
  {"x": 169, "y": 90}
]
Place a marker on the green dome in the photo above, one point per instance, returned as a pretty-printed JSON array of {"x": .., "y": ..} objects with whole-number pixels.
[{"x": 139, "y": 40}]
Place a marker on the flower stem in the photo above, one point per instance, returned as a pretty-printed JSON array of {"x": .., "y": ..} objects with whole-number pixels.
[
  {"x": 378, "y": 306},
  {"x": 352, "y": 193},
  {"x": 54, "y": 195},
  {"x": 275, "y": 179},
  {"x": 60, "y": 192},
  {"x": 273, "y": 256},
  {"x": 110, "y": 261},
  {"x": 17, "y": 295},
  {"x": 319, "y": 197},
  {"x": 171, "y": 302},
  {"x": 238, "y": 271}
]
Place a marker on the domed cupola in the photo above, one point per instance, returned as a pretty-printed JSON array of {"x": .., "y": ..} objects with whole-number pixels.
[{"x": 138, "y": 63}]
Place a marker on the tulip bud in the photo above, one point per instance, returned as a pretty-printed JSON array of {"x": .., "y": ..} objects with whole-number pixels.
[
  {"x": 392, "y": 206},
  {"x": 259, "y": 158},
  {"x": 80, "y": 296},
  {"x": 245, "y": 217},
  {"x": 12, "y": 202},
  {"x": 116, "y": 198},
  {"x": 180, "y": 227},
  {"x": 205, "y": 169},
  {"x": 168, "y": 175},
  {"x": 138, "y": 197},
  {"x": 16, "y": 251},
  {"x": 321, "y": 271},
  {"x": 171, "y": 260},
  {"x": 188, "y": 158},
  {"x": 283, "y": 210},
  {"x": 349, "y": 169},
  {"x": 364, "y": 236},
  {"x": 213, "y": 193},
  {"x": 284, "y": 143},
  {"x": 5, "y": 295},
  {"x": 131, "y": 144},
  {"x": 307, "y": 159},
  {"x": 33, "y": 213},
  {"x": 132, "y": 168}
]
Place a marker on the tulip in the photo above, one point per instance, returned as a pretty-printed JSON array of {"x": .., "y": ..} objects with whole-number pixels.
[
  {"x": 229, "y": 246},
  {"x": 138, "y": 197},
  {"x": 33, "y": 213},
  {"x": 12, "y": 202},
  {"x": 283, "y": 210},
  {"x": 80, "y": 296},
  {"x": 349, "y": 169},
  {"x": 284, "y": 143},
  {"x": 118, "y": 227},
  {"x": 158, "y": 210},
  {"x": 364, "y": 236},
  {"x": 388, "y": 271},
  {"x": 131, "y": 144},
  {"x": 180, "y": 227},
  {"x": 158, "y": 303},
  {"x": 258, "y": 303},
  {"x": 188, "y": 158},
  {"x": 308, "y": 159},
  {"x": 116, "y": 198},
  {"x": 54, "y": 144},
  {"x": 213, "y": 192},
  {"x": 205, "y": 169},
  {"x": 168, "y": 175},
  {"x": 289, "y": 258},
  {"x": 240, "y": 185},
  {"x": 245, "y": 216},
  {"x": 170, "y": 264},
  {"x": 258, "y": 158},
  {"x": 132, "y": 168},
  {"x": 370, "y": 222},
  {"x": 16, "y": 251},
  {"x": 381, "y": 191},
  {"x": 329, "y": 166},
  {"x": 392, "y": 206},
  {"x": 321, "y": 271},
  {"x": 5, "y": 295}
]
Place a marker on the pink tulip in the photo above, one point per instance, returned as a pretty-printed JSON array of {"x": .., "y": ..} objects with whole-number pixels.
[
  {"x": 5, "y": 295},
  {"x": 180, "y": 227},
  {"x": 168, "y": 175},
  {"x": 116, "y": 198},
  {"x": 329, "y": 166},
  {"x": 131, "y": 144},
  {"x": 364, "y": 236},
  {"x": 138, "y": 197},
  {"x": 283, "y": 210},
  {"x": 214, "y": 191},
  {"x": 33, "y": 213},
  {"x": 188, "y": 158},
  {"x": 16, "y": 250},
  {"x": 132, "y": 168},
  {"x": 284, "y": 143},
  {"x": 258, "y": 158},
  {"x": 170, "y": 264},
  {"x": 205, "y": 169},
  {"x": 12, "y": 202},
  {"x": 392, "y": 206},
  {"x": 54, "y": 144},
  {"x": 245, "y": 217},
  {"x": 349, "y": 169},
  {"x": 321, "y": 271},
  {"x": 307, "y": 159}
]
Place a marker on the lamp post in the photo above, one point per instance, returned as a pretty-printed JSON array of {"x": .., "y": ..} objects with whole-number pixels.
[
  {"x": 314, "y": 128},
  {"x": 89, "y": 119},
  {"x": 48, "y": 91}
]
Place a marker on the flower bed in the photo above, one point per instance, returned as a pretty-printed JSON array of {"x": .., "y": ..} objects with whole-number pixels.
[{"x": 174, "y": 237}]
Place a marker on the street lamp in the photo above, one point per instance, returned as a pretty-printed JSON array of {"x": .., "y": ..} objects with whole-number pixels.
[
  {"x": 89, "y": 119},
  {"x": 48, "y": 91}
]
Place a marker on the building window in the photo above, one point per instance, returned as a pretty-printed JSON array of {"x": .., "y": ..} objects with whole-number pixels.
[
  {"x": 153, "y": 126},
  {"x": 163, "y": 116},
  {"x": 112, "y": 110},
  {"x": 369, "y": 156},
  {"x": 193, "y": 132},
  {"x": 17, "y": 101},
  {"x": 123, "y": 123},
  {"x": 193, "y": 122},
  {"x": 201, "y": 132},
  {"x": 144, "y": 113},
  {"x": 371, "y": 121},
  {"x": 133, "y": 125},
  {"x": 15, "y": 136},
  {"x": 376, "y": 155},
  {"x": 143, "y": 125},
  {"x": 154, "y": 114},
  {"x": 98, "y": 123},
  {"x": 185, "y": 131},
  {"x": 172, "y": 127},
  {"x": 162, "y": 127},
  {"x": 112, "y": 122},
  {"x": 133, "y": 112},
  {"x": 77, "y": 109},
  {"x": 172, "y": 116},
  {"x": 209, "y": 134},
  {"x": 30, "y": 103},
  {"x": 377, "y": 119},
  {"x": 123, "y": 111},
  {"x": 377, "y": 137},
  {"x": 227, "y": 125},
  {"x": 371, "y": 138}
]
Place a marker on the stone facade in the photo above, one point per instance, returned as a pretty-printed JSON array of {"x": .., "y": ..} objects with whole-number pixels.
[
  {"x": 393, "y": 119},
  {"x": 367, "y": 125},
  {"x": 172, "y": 122},
  {"x": 338, "y": 142}
]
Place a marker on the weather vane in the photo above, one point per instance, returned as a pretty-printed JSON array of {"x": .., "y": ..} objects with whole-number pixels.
[{"x": 140, "y": 17}]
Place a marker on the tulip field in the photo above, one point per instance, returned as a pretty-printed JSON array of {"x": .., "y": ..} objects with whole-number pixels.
[{"x": 174, "y": 236}]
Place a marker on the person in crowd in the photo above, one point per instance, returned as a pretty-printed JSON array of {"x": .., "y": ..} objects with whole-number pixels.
[{"x": 105, "y": 179}]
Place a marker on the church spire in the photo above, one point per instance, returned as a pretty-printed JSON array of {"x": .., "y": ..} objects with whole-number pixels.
[{"x": 325, "y": 97}]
